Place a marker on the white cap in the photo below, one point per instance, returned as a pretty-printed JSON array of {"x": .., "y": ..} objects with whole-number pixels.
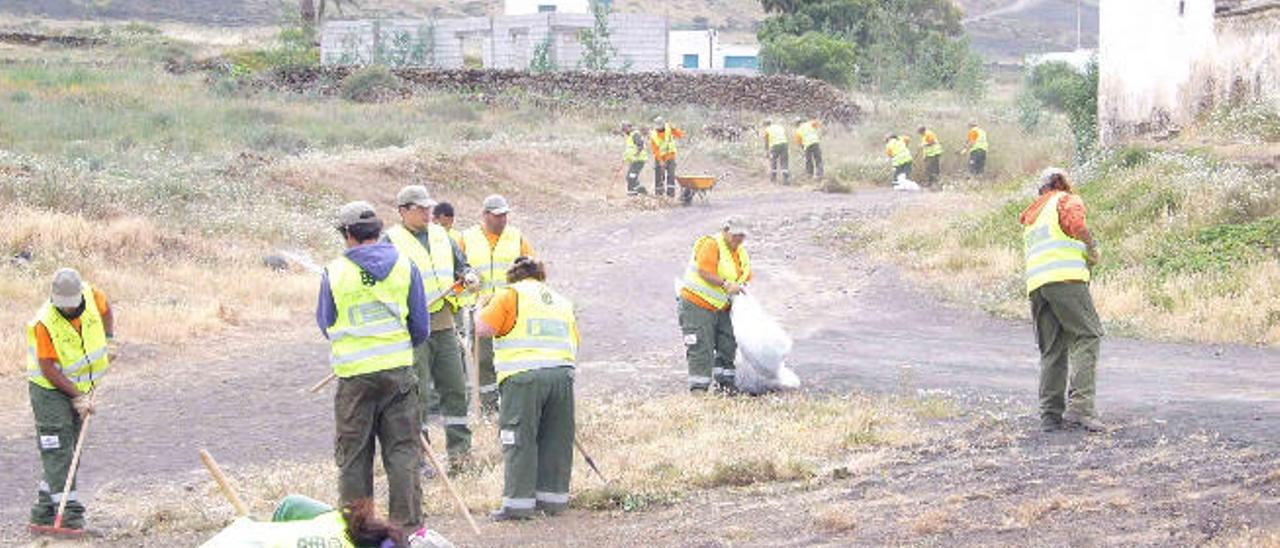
[
  {"x": 415, "y": 195},
  {"x": 496, "y": 205},
  {"x": 735, "y": 225},
  {"x": 68, "y": 289}
]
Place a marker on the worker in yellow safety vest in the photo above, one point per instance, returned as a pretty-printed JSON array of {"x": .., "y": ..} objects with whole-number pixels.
[
  {"x": 777, "y": 149},
  {"x": 718, "y": 269},
  {"x": 976, "y": 148},
  {"x": 1060, "y": 253},
  {"x": 662, "y": 143},
  {"x": 536, "y": 341},
  {"x": 67, "y": 355},
  {"x": 442, "y": 386},
  {"x": 373, "y": 310},
  {"x": 899, "y": 155},
  {"x": 633, "y": 156},
  {"x": 491, "y": 248},
  {"x": 931, "y": 149},
  {"x": 809, "y": 137}
]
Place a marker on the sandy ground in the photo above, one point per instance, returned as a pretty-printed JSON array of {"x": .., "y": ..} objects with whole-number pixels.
[{"x": 1195, "y": 456}]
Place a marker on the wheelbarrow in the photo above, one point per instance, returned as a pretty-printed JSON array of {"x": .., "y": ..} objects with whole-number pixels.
[{"x": 698, "y": 186}]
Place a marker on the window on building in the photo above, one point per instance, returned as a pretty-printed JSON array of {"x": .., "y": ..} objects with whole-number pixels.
[
  {"x": 690, "y": 61},
  {"x": 741, "y": 62},
  {"x": 546, "y": 8}
]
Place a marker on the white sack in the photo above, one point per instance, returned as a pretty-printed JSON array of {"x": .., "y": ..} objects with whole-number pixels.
[
  {"x": 762, "y": 349},
  {"x": 905, "y": 184}
]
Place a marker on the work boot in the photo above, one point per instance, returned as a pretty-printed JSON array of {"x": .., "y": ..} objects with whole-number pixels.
[
  {"x": 1089, "y": 423},
  {"x": 507, "y": 514},
  {"x": 42, "y": 514},
  {"x": 1050, "y": 423},
  {"x": 552, "y": 510}
]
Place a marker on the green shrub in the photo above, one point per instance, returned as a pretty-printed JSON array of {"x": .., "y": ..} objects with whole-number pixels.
[
  {"x": 812, "y": 54},
  {"x": 1220, "y": 248},
  {"x": 371, "y": 84}
]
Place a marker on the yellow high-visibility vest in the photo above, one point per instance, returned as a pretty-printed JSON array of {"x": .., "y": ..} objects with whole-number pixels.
[
  {"x": 775, "y": 135},
  {"x": 665, "y": 141},
  {"x": 435, "y": 267},
  {"x": 82, "y": 355},
  {"x": 633, "y": 153},
  {"x": 933, "y": 146},
  {"x": 371, "y": 332},
  {"x": 809, "y": 134},
  {"x": 493, "y": 263},
  {"x": 981, "y": 142},
  {"x": 899, "y": 152},
  {"x": 726, "y": 269},
  {"x": 543, "y": 335},
  {"x": 1052, "y": 255}
]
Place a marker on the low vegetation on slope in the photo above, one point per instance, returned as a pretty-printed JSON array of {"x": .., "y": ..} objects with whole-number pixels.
[{"x": 1191, "y": 245}]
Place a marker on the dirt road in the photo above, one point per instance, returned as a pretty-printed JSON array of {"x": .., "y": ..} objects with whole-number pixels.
[{"x": 857, "y": 325}]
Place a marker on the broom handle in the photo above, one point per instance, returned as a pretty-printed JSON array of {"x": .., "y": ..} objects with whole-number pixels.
[
  {"x": 448, "y": 484},
  {"x": 75, "y": 464},
  {"x": 223, "y": 485},
  {"x": 432, "y": 302},
  {"x": 473, "y": 373}
]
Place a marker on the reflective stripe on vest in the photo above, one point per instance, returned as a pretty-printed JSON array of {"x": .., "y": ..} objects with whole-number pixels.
[
  {"x": 82, "y": 355},
  {"x": 981, "y": 142},
  {"x": 634, "y": 153},
  {"x": 775, "y": 135},
  {"x": 932, "y": 147},
  {"x": 491, "y": 263},
  {"x": 726, "y": 269},
  {"x": 370, "y": 333},
  {"x": 808, "y": 134},
  {"x": 900, "y": 152},
  {"x": 436, "y": 267},
  {"x": 543, "y": 334},
  {"x": 1052, "y": 256}
]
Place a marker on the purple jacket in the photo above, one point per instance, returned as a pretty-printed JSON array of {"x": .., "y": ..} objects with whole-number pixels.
[{"x": 377, "y": 259}]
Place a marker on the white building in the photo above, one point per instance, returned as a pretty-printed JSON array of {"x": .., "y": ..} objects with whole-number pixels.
[
  {"x": 526, "y": 7},
  {"x": 702, "y": 50},
  {"x": 1163, "y": 62}
]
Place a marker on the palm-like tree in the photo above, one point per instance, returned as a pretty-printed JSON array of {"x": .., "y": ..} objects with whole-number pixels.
[{"x": 313, "y": 13}]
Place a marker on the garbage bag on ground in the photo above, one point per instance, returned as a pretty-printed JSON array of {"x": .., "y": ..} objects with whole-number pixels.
[
  {"x": 300, "y": 520},
  {"x": 905, "y": 184},
  {"x": 762, "y": 349}
]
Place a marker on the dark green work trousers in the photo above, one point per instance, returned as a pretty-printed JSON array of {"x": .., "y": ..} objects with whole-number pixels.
[
  {"x": 1069, "y": 335},
  {"x": 537, "y": 429},
  {"x": 380, "y": 408}
]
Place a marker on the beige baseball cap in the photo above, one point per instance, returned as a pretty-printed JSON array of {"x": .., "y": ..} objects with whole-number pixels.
[
  {"x": 68, "y": 289},
  {"x": 355, "y": 213},
  {"x": 735, "y": 225},
  {"x": 415, "y": 195},
  {"x": 496, "y": 205}
]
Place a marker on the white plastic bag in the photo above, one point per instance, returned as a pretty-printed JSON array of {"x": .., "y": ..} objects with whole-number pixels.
[
  {"x": 762, "y": 349},
  {"x": 905, "y": 184}
]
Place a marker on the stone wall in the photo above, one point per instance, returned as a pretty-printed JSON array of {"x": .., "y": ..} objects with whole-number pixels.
[{"x": 584, "y": 90}]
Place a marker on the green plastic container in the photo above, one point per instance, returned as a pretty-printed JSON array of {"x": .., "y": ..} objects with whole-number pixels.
[{"x": 298, "y": 508}]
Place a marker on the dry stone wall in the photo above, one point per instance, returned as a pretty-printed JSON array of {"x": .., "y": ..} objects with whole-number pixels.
[{"x": 568, "y": 90}]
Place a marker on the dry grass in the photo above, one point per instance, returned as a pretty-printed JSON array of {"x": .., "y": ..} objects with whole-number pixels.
[
  {"x": 1249, "y": 538},
  {"x": 837, "y": 518},
  {"x": 932, "y": 522},
  {"x": 960, "y": 244},
  {"x": 656, "y": 451}
]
